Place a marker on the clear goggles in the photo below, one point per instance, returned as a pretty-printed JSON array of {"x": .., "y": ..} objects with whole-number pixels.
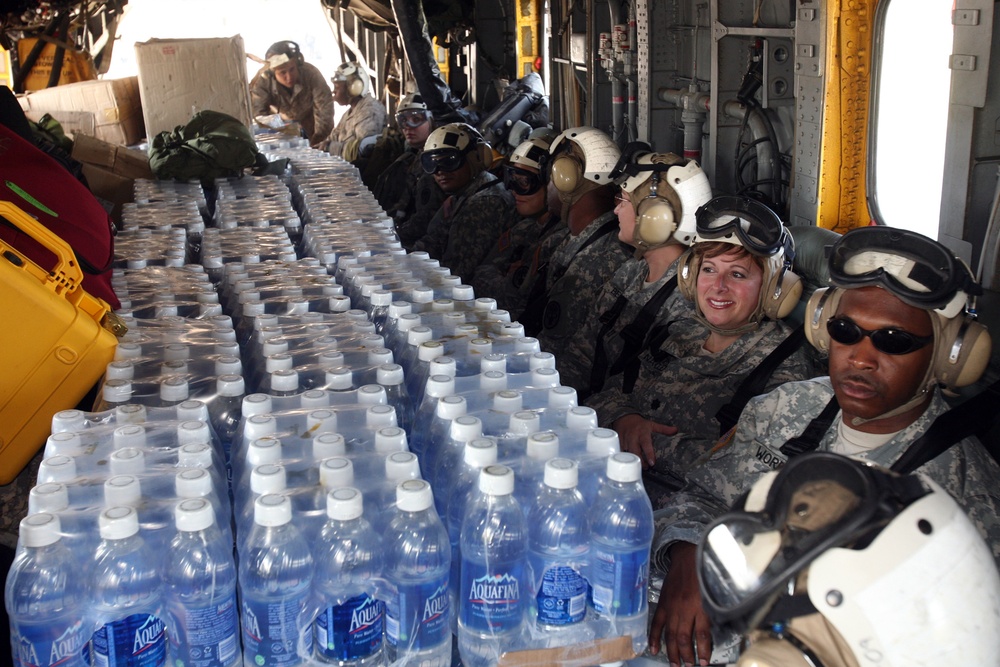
[
  {"x": 444, "y": 160},
  {"x": 745, "y": 221},
  {"x": 412, "y": 119},
  {"x": 521, "y": 181},
  {"x": 817, "y": 501},
  {"x": 919, "y": 271}
]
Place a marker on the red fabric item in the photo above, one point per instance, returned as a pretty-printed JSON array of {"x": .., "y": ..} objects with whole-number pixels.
[{"x": 45, "y": 190}]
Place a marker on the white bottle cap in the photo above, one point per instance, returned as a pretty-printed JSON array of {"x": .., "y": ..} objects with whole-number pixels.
[
  {"x": 389, "y": 375},
  {"x": 372, "y": 394},
  {"x": 195, "y": 454},
  {"x": 276, "y": 345},
  {"x": 122, "y": 490},
  {"x": 444, "y": 366},
  {"x": 336, "y": 472},
  {"x": 439, "y": 386},
  {"x": 541, "y": 360},
  {"x": 229, "y": 348},
  {"x": 50, "y": 497},
  {"x": 321, "y": 421},
  {"x": 339, "y": 379},
  {"x": 228, "y": 365},
  {"x": 469, "y": 331},
  {"x": 499, "y": 315},
  {"x": 130, "y": 414},
  {"x": 453, "y": 319},
  {"x": 59, "y": 468},
  {"x": 253, "y": 306},
  {"x": 325, "y": 445},
  {"x": 495, "y": 361},
  {"x": 264, "y": 450},
  {"x": 543, "y": 446},
  {"x": 421, "y": 295},
  {"x": 120, "y": 370},
  {"x": 174, "y": 389},
  {"x": 339, "y": 303},
  {"x": 496, "y": 480},
  {"x": 431, "y": 349},
  {"x": 380, "y": 356},
  {"x": 380, "y": 416},
  {"x": 285, "y": 380},
  {"x": 259, "y": 426},
  {"x": 314, "y": 398},
  {"x": 117, "y": 391},
  {"x": 66, "y": 443},
  {"x": 397, "y": 309},
  {"x": 192, "y": 410},
  {"x": 466, "y": 428},
  {"x": 193, "y": 514},
  {"x": 484, "y": 304},
  {"x": 624, "y": 467},
  {"x": 271, "y": 510},
  {"x": 193, "y": 483},
  {"x": 414, "y": 495},
  {"x": 127, "y": 461},
  {"x": 268, "y": 478},
  {"x": 117, "y": 523},
  {"x": 175, "y": 367},
  {"x": 508, "y": 401},
  {"x": 331, "y": 359},
  {"x": 515, "y": 329},
  {"x": 401, "y": 465},
  {"x": 463, "y": 293},
  {"x": 381, "y": 298},
  {"x": 39, "y": 530},
  {"x": 68, "y": 420},
  {"x": 418, "y": 334},
  {"x": 491, "y": 381},
  {"x": 602, "y": 442},
  {"x": 344, "y": 504},
  {"x": 176, "y": 352},
  {"x": 390, "y": 439},
  {"x": 545, "y": 377},
  {"x": 561, "y": 473},
  {"x": 480, "y": 452},
  {"x": 230, "y": 384},
  {"x": 480, "y": 346},
  {"x": 407, "y": 321},
  {"x": 279, "y": 361},
  {"x": 131, "y": 435},
  {"x": 442, "y": 306},
  {"x": 525, "y": 423},
  {"x": 581, "y": 418},
  {"x": 256, "y": 404},
  {"x": 128, "y": 351},
  {"x": 193, "y": 431}
]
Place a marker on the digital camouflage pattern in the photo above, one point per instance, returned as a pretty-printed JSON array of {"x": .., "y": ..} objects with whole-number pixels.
[
  {"x": 575, "y": 278},
  {"x": 309, "y": 103},
  {"x": 409, "y": 195},
  {"x": 681, "y": 384},
  {"x": 966, "y": 470},
  {"x": 365, "y": 118},
  {"x": 508, "y": 271},
  {"x": 468, "y": 225}
]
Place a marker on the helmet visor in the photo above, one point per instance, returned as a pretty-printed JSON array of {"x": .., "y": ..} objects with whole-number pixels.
[
  {"x": 919, "y": 271},
  {"x": 743, "y": 221},
  {"x": 445, "y": 160},
  {"x": 411, "y": 119},
  {"x": 521, "y": 181}
]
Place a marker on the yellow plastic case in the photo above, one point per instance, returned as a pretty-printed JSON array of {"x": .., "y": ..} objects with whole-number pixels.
[{"x": 55, "y": 341}]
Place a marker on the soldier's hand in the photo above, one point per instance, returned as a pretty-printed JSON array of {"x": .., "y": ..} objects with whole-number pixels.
[
  {"x": 680, "y": 617},
  {"x": 635, "y": 433}
]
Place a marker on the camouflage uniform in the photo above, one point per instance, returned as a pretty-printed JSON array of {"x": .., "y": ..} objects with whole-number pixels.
[
  {"x": 681, "y": 384},
  {"x": 468, "y": 224},
  {"x": 965, "y": 470},
  {"x": 365, "y": 118},
  {"x": 504, "y": 272},
  {"x": 409, "y": 195},
  {"x": 309, "y": 103},
  {"x": 574, "y": 280},
  {"x": 576, "y": 360}
]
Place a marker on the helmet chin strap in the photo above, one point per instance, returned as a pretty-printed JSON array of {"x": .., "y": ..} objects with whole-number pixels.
[{"x": 752, "y": 325}]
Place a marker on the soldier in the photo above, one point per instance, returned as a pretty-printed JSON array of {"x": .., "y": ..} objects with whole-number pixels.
[
  {"x": 361, "y": 126},
  {"x": 403, "y": 189},
  {"x": 509, "y": 272},
  {"x": 582, "y": 159},
  {"x": 478, "y": 208},
  {"x": 737, "y": 275},
  {"x": 660, "y": 193},
  {"x": 289, "y": 85},
  {"x": 896, "y": 327}
]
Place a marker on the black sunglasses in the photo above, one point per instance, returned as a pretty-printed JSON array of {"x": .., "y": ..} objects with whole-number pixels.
[
  {"x": 887, "y": 341},
  {"x": 445, "y": 161}
]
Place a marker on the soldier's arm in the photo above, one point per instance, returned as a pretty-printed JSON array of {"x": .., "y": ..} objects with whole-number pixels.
[
  {"x": 322, "y": 108},
  {"x": 260, "y": 96}
]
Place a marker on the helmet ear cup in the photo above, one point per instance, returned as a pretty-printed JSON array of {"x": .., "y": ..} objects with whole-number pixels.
[
  {"x": 655, "y": 221},
  {"x": 485, "y": 154},
  {"x": 687, "y": 275},
  {"x": 356, "y": 86},
  {"x": 821, "y": 307},
  {"x": 567, "y": 173},
  {"x": 961, "y": 352},
  {"x": 788, "y": 288}
]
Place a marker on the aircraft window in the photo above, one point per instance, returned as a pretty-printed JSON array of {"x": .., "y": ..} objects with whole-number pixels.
[{"x": 911, "y": 113}]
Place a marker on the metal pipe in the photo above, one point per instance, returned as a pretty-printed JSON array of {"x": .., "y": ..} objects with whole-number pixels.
[
  {"x": 630, "y": 74},
  {"x": 617, "y": 97},
  {"x": 758, "y": 130},
  {"x": 694, "y": 105}
]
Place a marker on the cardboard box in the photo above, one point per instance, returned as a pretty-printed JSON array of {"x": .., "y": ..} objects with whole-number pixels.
[
  {"x": 180, "y": 77},
  {"x": 122, "y": 161},
  {"x": 114, "y": 103},
  {"x": 74, "y": 123}
]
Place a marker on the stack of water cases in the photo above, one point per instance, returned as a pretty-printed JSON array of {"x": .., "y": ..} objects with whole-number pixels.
[{"x": 396, "y": 464}]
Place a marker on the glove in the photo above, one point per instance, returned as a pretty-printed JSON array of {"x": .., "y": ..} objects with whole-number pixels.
[{"x": 367, "y": 145}]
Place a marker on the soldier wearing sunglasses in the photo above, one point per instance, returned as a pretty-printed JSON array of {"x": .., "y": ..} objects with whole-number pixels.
[{"x": 898, "y": 329}]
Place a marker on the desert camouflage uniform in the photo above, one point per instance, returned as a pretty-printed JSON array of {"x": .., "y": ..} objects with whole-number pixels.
[
  {"x": 574, "y": 279},
  {"x": 468, "y": 224},
  {"x": 309, "y": 103},
  {"x": 504, "y": 272},
  {"x": 577, "y": 359},
  {"x": 409, "y": 195},
  {"x": 965, "y": 470},
  {"x": 681, "y": 384},
  {"x": 365, "y": 118}
]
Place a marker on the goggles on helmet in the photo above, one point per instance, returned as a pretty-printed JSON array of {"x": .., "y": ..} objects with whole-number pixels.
[
  {"x": 414, "y": 118},
  {"x": 745, "y": 221},
  {"x": 521, "y": 181},
  {"x": 817, "y": 501},
  {"x": 444, "y": 160},
  {"x": 919, "y": 271}
]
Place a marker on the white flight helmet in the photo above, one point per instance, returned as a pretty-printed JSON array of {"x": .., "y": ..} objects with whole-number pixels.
[
  {"x": 832, "y": 562},
  {"x": 582, "y": 160},
  {"x": 355, "y": 76}
]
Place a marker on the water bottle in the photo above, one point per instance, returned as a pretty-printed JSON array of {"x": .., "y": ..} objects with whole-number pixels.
[
  {"x": 540, "y": 448},
  {"x": 126, "y": 587},
  {"x": 275, "y": 582},
  {"x": 390, "y": 376},
  {"x": 437, "y": 387},
  {"x": 449, "y": 457},
  {"x": 493, "y": 591},
  {"x": 621, "y": 536},
  {"x": 199, "y": 578},
  {"x": 44, "y": 597},
  {"x": 349, "y": 628},
  {"x": 418, "y": 562},
  {"x": 558, "y": 550},
  {"x": 601, "y": 443}
]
